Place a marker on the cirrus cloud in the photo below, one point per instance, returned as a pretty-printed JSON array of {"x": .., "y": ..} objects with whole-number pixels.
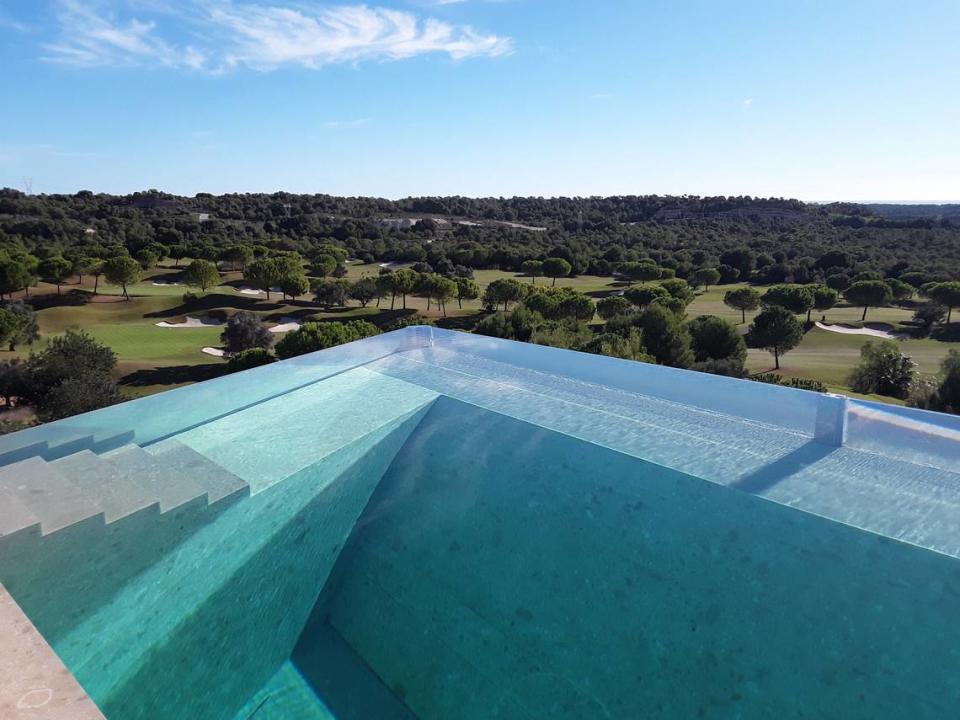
[{"x": 219, "y": 35}]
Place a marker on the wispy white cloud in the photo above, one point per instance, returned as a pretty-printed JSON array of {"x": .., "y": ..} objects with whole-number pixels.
[
  {"x": 89, "y": 36},
  {"x": 11, "y": 24},
  {"x": 259, "y": 36},
  {"x": 748, "y": 102}
]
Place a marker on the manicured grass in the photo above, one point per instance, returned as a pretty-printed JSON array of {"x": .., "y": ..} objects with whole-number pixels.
[
  {"x": 830, "y": 356},
  {"x": 173, "y": 356}
]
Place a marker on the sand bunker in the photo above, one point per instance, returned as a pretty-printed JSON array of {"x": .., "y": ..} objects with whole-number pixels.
[
  {"x": 250, "y": 291},
  {"x": 843, "y": 330},
  {"x": 190, "y": 322},
  {"x": 216, "y": 352},
  {"x": 286, "y": 324}
]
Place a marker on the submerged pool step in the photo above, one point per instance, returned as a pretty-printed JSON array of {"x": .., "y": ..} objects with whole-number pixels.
[
  {"x": 218, "y": 483},
  {"x": 15, "y": 516},
  {"x": 170, "y": 487},
  {"x": 53, "y": 499},
  {"x": 118, "y": 494}
]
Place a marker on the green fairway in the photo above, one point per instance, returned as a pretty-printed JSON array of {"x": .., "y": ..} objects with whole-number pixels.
[{"x": 147, "y": 352}]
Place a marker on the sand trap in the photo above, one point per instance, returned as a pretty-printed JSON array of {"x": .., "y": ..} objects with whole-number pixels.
[
  {"x": 286, "y": 324},
  {"x": 250, "y": 291},
  {"x": 843, "y": 330},
  {"x": 216, "y": 352},
  {"x": 164, "y": 284},
  {"x": 191, "y": 322},
  {"x": 391, "y": 265}
]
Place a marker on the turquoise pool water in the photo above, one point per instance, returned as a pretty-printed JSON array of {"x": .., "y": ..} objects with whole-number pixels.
[{"x": 440, "y": 534}]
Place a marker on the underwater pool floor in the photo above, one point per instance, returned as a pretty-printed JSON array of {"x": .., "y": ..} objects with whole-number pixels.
[{"x": 436, "y": 535}]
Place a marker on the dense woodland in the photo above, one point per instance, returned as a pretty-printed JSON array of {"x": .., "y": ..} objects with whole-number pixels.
[{"x": 787, "y": 239}]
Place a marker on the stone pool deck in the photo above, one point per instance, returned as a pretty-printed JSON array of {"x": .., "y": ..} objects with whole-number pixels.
[{"x": 34, "y": 684}]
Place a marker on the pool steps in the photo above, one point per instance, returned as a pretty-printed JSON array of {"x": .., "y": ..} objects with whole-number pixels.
[{"x": 51, "y": 491}]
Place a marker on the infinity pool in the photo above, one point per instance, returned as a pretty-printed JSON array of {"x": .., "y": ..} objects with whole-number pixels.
[{"x": 436, "y": 526}]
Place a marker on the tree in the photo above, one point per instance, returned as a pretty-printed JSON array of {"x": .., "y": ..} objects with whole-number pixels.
[
  {"x": 555, "y": 267},
  {"x": 614, "y": 305},
  {"x": 929, "y": 314},
  {"x": 245, "y": 331},
  {"x": 665, "y": 336},
  {"x": 577, "y": 306},
  {"x": 237, "y": 257},
  {"x": 742, "y": 299},
  {"x": 915, "y": 279},
  {"x": 946, "y": 294},
  {"x": 202, "y": 274},
  {"x": 706, "y": 277},
  {"x": 824, "y": 298},
  {"x": 18, "y": 324},
  {"x": 742, "y": 258},
  {"x": 680, "y": 292},
  {"x": 147, "y": 258},
  {"x": 467, "y": 289},
  {"x": 293, "y": 283},
  {"x": 639, "y": 271},
  {"x": 713, "y": 338},
  {"x": 900, "y": 290},
  {"x": 883, "y": 370},
  {"x": 262, "y": 274},
  {"x": 122, "y": 270},
  {"x": 83, "y": 265},
  {"x": 96, "y": 269},
  {"x": 506, "y": 291},
  {"x": 560, "y": 303},
  {"x": 14, "y": 276},
  {"x": 868, "y": 293},
  {"x": 728, "y": 274},
  {"x": 56, "y": 270},
  {"x": 405, "y": 281},
  {"x": 324, "y": 265},
  {"x": 331, "y": 293},
  {"x": 312, "y": 336},
  {"x": 364, "y": 290},
  {"x": 178, "y": 252},
  {"x": 71, "y": 375},
  {"x": 443, "y": 289},
  {"x": 387, "y": 285},
  {"x": 531, "y": 268},
  {"x": 838, "y": 281},
  {"x": 948, "y": 394},
  {"x": 776, "y": 330},
  {"x": 15, "y": 381},
  {"x": 647, "y": 295},
  {"x": 795, "y": 298}
]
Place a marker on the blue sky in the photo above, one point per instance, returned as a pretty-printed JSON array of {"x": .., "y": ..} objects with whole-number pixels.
[{"x": 813, "y": 99}]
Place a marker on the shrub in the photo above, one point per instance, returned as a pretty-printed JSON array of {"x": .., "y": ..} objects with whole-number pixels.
[
  {"x": 798, "y": 383},
  {"x": 254, "y": 357},
  {"x": 924, "y": 393},
  {"x": 883, "y": 370},
  {"x": 407, "y": 321},
  {"x": 312, "y": 336},
  {"x": 517, "y": 325},
  {"x": 729, "y": 367}
]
